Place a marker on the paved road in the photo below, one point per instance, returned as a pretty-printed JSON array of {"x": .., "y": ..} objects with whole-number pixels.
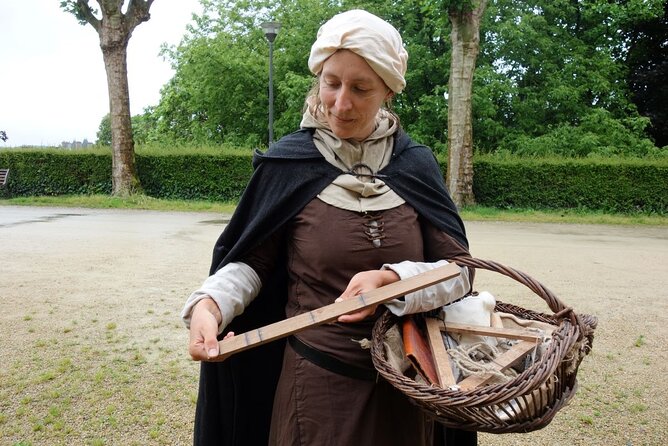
[
  {"x": 105, "y": 261},
  {"x": 578, "y": 262},
  {"x": 576, "y": 259}
]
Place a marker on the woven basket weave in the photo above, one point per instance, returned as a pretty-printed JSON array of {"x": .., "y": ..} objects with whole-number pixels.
[{"x": 525, "y": 403}]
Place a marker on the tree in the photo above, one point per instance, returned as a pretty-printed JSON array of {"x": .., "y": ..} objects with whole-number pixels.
[
  {"x": 426, "y": 29},
  {"x": 550, "y": 69},
  {"x": 465, "y": 18},
  {"x": 218, "y": 93},
  {"x": 648, "y": 70},
  {"x": 550, "y": 75},
  {"x": 114, "y": 29},
  {"x": 142, "y": 128},
  {"x": 220, "y": 71},
  {"x": 104, "y": 131}
]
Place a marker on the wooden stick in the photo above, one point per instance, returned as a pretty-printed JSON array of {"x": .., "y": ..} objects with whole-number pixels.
[
  {"x": 507, "y": 333},
  {"x": 329, "y": 313},
  {"x": 441, "y": 356},
  {"x": 501, "y": 363}
]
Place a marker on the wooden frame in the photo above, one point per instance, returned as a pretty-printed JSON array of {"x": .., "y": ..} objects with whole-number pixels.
[{"x": 529, "y": 340}]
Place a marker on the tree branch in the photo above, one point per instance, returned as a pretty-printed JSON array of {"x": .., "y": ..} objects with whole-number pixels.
[
  {"x": 138, "y": 12},
  {"x": 83, "y": 12}
]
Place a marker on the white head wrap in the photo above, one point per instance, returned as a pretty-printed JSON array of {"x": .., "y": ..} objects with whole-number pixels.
[{"x": 368, "y": 36}]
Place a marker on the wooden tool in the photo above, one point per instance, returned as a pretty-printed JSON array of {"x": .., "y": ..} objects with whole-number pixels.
[
  {"x": 419, "y": 351},
  {"x": 507, "y": 333},
  {"x": 329, "y": 313},
  {"x": 441, "y": 356},
  {"x": 500, "y": 364},
  {"x": 529, "y": 340}
]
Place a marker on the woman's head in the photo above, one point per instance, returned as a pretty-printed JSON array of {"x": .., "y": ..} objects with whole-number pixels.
[
  {"x": 368, "y": 36},
  {"x": 351, "y": 93},
  {"x": 360, "y": 63}
]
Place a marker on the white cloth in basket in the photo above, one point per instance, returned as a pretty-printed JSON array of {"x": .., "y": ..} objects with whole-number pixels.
[{"x": 472, "y": 310}]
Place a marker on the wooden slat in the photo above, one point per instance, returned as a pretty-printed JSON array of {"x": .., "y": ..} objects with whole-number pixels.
[
  {"x": 329, "y": 313},
  {"x": 507, "y": 333},
  {"x": 439, "y": 353},
  {"x": 500, "y": 364}
]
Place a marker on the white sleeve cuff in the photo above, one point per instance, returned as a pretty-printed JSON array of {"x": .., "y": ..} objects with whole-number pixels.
[
  {"x": 431, "y": 297},
  {"x": 233, "y": 288}
]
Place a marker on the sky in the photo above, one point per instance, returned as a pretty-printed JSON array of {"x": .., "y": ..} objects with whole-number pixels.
[{"x": 53, "y": 86}]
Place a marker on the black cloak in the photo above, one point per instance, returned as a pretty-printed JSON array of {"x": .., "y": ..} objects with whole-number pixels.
[{"x": 236, "y": 396}]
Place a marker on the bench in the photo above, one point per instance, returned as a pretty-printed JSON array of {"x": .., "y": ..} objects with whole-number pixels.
[{"x": 3, "y": 176}]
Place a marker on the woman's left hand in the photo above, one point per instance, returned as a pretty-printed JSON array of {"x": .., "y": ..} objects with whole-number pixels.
[{"x": 363, "y": 282}]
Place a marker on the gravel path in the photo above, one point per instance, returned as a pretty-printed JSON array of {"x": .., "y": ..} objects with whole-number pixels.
[{"x": 93, "y": 351}]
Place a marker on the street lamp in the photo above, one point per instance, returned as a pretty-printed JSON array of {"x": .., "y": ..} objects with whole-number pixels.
[{"x": 270, "y": 30}]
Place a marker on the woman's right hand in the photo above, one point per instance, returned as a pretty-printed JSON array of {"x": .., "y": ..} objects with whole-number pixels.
[
  {"x": 204, "y": 322},
  {"x": 363, "y": 282}
]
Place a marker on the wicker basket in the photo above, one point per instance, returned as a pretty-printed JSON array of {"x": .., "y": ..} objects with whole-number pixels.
[{"x": 525, "y": 403}]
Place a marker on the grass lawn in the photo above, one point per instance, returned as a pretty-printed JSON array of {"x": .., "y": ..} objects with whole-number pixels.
[{"x": 476, "y": 213}]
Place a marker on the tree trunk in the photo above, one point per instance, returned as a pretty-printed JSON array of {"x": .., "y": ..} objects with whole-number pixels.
[
  {"x": 125, "y": 180},
  {"x": 465, "y": 39},
  {"x": 115, "y": 30}
]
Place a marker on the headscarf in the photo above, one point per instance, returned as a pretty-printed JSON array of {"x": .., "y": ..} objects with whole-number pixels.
[{"x": 368, "y": 36}]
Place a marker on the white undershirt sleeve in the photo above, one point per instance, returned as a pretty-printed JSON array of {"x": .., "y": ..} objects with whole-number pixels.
[
  {"x": 233, "y": 288},
  {"x": 431, "y": 297}
]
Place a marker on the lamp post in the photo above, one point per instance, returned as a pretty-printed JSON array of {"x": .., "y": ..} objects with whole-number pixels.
[{"x": 270, "y": 30}]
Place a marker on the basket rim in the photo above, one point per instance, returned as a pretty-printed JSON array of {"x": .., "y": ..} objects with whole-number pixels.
[
  {"x": 571, "y": 328},
  {"x": 563, "y": 339}
]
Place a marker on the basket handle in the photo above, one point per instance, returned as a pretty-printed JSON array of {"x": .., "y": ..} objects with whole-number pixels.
[{"x": 560, "y": 310}]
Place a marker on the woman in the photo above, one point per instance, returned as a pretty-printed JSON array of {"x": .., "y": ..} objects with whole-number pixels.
[{"x": 345, "y": 205}]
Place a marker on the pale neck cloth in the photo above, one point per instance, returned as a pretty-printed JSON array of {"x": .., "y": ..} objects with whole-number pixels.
[{"x": 353, "y": 190}]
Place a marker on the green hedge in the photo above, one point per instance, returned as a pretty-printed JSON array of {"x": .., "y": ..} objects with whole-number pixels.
[
  {"x": 614, "y": 185},
  {"x": 187, "y": 176},
  {"x": 203, "y": 177},
  {"x": 51, "y": 172}
]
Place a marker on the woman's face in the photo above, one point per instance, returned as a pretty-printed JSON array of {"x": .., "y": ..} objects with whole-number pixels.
[{"x": 352, "y": 94}]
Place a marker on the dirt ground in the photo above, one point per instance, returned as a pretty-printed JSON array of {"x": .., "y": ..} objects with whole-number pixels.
[{"x": 93, "y": 352}]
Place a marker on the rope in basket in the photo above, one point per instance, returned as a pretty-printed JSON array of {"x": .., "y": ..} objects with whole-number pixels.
[{"x": 525, "y": 403}]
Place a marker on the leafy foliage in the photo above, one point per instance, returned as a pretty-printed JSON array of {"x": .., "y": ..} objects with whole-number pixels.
[
  {"x": 219, "y": 91},
  {"x": 547, "y": 70},
  {"x": 647, "y": 62},
  {"x": 554, "y": 65},
  {"x": 142, "y": 129},
  {"x": 104, "y": 131},
  {"x": 598, "y": 134},
  {"x": 73, "y": 8}
]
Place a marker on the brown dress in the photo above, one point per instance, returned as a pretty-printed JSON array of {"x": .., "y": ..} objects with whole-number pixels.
[{"x": 326, "y": 246}]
